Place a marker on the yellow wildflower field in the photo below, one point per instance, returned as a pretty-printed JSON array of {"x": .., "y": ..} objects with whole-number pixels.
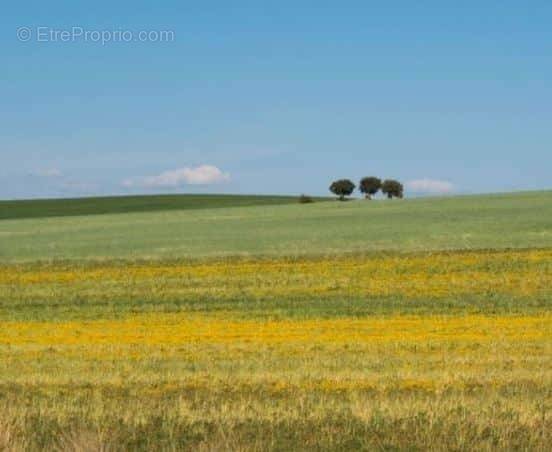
[
  {"x": 525, "y": 272},
  {"x": 175, "y": 329},
  {"x": 385, "y": 351}
]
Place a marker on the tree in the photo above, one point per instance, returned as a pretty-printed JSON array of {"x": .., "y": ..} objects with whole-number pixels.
[
  {"x": 369, "y": 186},
  {"x": 392, "y": 188},
  {"x": 342, "y": 188}
]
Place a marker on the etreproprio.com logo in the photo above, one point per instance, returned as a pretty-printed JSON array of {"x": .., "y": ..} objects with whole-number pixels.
[{"x": 81, "y": 34}]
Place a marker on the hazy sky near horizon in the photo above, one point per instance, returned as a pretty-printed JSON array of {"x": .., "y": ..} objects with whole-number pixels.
[{"x": 280, "y": 97}]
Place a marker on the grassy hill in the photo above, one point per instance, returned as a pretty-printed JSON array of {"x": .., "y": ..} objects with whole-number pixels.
[
  {"x": 469, "y": 222},
  {"x": 387, "y": 350},
  {"x": 39, "y": 208}
]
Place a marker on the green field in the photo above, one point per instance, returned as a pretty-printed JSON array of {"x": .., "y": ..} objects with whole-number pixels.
[
  {"x": 421, "y": 324},
  {"x": 471, "y": 222},
  {"x": 40, "y": 208}
]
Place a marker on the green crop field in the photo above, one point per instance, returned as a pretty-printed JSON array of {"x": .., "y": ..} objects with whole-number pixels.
[
  {"x": 471, "y": 222},
  {"x": 415, "y": 324},
  {"x": 40, "y": 208}
]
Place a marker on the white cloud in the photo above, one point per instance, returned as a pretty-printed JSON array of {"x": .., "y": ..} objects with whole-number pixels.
[
  {"x": 430, "y": 186},
  {"x": 128, "y": 183},
  {"x": 48, "y": 172},
  {"x": 200, "y": 175},
  {"x": 78, "y": 186}
]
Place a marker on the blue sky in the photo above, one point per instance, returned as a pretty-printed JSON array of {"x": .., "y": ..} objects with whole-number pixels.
[{"x": 451, "y": 97}]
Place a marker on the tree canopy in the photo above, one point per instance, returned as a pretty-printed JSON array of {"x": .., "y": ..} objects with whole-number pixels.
[
  {"x": 342, "y": 188},
  {"x": 370, "y": 186},
  {"x": 392, "y": 188}
]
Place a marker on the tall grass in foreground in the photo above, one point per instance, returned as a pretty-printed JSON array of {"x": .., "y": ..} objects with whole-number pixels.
[{"x": 124, "y": 420}]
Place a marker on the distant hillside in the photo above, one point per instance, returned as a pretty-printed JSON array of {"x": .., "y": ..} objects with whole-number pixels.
[
  {"x": 516, "y": 220},
  {"x": 124, "y": 204}
]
